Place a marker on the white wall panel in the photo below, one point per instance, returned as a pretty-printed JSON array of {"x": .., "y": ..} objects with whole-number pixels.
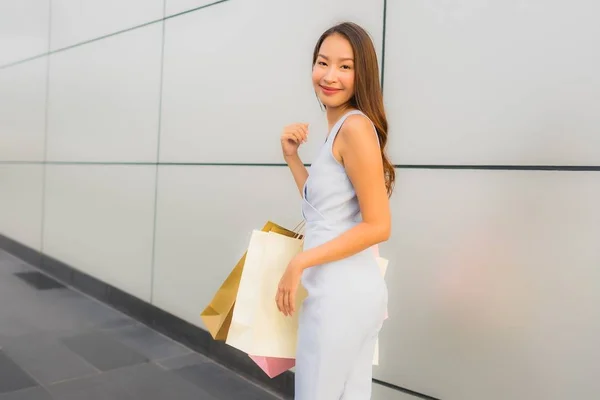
[
  {"x": 205, "y": 216},
  {"x": 81, "y": 20},
  {"x": 21, "y": 203},
  {"x": 23, "y": 111},
  {"x": 177, "y": 6},
  {"x": 104, "y": 99},
  {"x": 23, "y": 29},
  {"x": 494, "y": 285},
  {"x": 99, "y": 219},
  {"x": 236, "y": 73},
  {"x": 500, "y": 82}
]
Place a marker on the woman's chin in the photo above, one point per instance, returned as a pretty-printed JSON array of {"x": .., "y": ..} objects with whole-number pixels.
[{"x": 331, "y": 104}]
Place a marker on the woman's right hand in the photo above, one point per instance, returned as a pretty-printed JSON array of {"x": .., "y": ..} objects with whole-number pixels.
[{"x": 292, "y": 137}]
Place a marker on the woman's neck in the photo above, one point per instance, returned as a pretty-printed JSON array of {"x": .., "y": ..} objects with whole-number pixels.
[{"x": 334, "y": 114}]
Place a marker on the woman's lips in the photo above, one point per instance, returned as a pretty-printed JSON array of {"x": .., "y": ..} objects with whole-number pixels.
[{"x": 329, "y": 91}]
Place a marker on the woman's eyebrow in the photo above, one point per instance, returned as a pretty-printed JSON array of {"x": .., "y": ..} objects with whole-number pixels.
[{"x": 341, "y": 59}]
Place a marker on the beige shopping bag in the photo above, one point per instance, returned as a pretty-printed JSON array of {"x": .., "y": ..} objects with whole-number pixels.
[
  {"x": 383, "y": 264},
  {"x": 257, "y": 326},
  {"x": 217, "y": 315}
]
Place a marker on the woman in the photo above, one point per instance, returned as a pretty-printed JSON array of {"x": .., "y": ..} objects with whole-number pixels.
[{"x": 346, "y": 207}]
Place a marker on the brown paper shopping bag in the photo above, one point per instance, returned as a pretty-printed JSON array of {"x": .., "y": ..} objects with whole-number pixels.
[{"x": 217, "y": 315}]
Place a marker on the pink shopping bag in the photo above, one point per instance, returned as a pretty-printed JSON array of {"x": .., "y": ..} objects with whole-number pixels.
[{"x": 273, "y": 366}]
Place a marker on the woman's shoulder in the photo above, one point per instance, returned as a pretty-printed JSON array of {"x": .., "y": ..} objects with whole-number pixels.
[{"x": 357, "y": 127}]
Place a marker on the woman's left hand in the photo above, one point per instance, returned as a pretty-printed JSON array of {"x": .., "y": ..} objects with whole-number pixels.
[{"x": 288, "y": 288}]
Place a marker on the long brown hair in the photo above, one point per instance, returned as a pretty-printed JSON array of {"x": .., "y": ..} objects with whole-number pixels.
[{"x": 368, "y": 96}]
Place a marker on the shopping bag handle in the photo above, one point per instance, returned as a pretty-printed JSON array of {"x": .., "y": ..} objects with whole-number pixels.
[{"x": 299, "y": 229}]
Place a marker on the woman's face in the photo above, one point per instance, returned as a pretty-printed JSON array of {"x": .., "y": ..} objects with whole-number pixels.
[{"x": 333, "y": 72}]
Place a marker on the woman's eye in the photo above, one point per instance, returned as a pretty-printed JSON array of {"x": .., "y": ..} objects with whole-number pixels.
[
  {"x": 345, "y": 66},
  {"x": 322, "y": 63}
]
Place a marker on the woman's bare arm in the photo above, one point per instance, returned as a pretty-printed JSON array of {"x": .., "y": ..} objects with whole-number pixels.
[
  {"x": 299, "y": 171},
  {"x": 358, "y": 145}
]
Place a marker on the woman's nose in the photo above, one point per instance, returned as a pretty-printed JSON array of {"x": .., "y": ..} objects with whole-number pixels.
[{"x": 330, "y": 76}]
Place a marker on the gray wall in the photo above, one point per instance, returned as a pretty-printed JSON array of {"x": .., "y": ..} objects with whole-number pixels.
[{"x": 494, "y": 279}]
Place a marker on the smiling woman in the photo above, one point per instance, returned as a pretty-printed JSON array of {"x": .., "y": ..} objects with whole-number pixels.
[
  {"x": 345, "y": 202},
  {"x": 357, "y": 83}
]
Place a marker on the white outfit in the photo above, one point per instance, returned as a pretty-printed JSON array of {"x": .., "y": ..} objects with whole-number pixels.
[{"x": 344, "y": 311}]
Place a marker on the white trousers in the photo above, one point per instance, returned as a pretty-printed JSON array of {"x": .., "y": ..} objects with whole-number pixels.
[{"x": 336, "y": 342}]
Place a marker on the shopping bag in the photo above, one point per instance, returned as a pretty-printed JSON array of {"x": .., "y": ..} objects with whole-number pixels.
[
  {"x": 273, "y": 366},
  {"x": 217, "y": 315},
  {"x": 383, "y": 269},
  {"x": 383, "y": 264},
  {"x": 258, "y": 328}
]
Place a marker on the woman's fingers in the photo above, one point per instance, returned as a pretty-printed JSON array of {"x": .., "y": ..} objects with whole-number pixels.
[
  {"x": 297, "y": 133},
  {"x": 281, "y": 301},
  {"x": 293, "y": 136},
  {"x": 292, "y": 302},
  {"x": 303, "y": 132},
  {"x": 298, "y": 136},
  {"x": 286, "y": 301},
  {"x": 289, "y": 301},
  {"x": 304, "y": 128}
]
